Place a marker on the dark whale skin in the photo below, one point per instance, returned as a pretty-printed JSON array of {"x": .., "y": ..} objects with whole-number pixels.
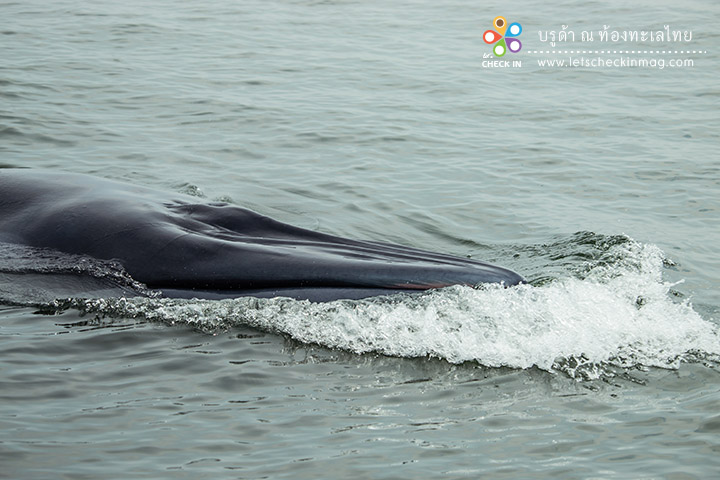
[{"x": 184, "y": 248}]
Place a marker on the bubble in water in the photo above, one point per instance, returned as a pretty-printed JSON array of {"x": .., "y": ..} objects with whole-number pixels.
[{"x": 620, "y": 314}]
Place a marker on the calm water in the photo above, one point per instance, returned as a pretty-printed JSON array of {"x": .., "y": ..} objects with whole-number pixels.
[{"x": 378, "y": 120}]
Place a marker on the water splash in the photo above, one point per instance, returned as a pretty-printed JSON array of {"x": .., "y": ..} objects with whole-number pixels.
[
  {"x": 36, "y": 276},
  {"x": 616, "y": 312}
]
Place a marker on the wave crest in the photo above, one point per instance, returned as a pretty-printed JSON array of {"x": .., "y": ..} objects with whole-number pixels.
[{"x": 617, "y": 313}]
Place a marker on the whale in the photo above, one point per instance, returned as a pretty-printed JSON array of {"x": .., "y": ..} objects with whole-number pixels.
[{"x": 185, "y": 247}]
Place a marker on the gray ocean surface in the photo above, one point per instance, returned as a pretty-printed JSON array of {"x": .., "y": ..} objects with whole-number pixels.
[{"x": 378, "y": 120}]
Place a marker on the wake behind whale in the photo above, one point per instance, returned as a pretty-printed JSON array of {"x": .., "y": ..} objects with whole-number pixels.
[{"x": 183, "y": 248}]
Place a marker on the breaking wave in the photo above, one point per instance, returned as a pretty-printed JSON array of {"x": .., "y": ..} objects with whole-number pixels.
[{"x": 613, "y": 310}]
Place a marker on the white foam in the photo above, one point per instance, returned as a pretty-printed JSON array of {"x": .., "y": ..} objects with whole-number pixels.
[{"x": 620, "y": 314}]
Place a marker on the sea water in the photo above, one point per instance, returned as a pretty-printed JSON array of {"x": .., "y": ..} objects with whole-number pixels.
[{"x": 387, "y": 121}]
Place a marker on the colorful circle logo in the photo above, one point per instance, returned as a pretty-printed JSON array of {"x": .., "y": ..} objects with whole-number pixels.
[{"x": 504, "y": 37}]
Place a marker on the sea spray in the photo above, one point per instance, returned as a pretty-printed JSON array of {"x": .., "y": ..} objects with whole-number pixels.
[{"x": 619, "y": 314}]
